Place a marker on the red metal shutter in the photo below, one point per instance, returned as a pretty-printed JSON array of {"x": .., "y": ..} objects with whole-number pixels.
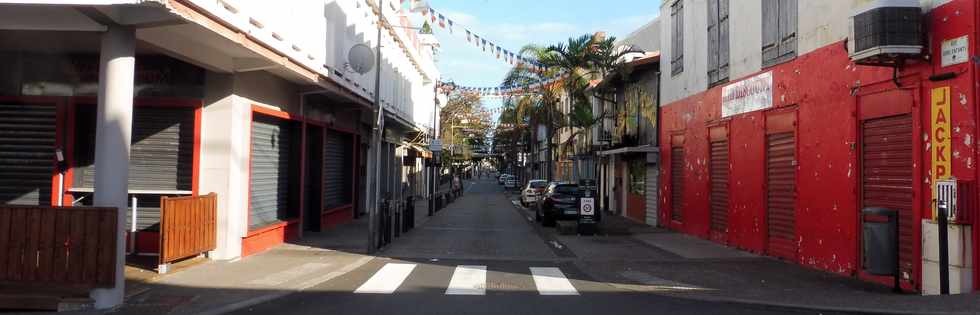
[
  {"x": 887, "y": 176},
  {"x": 676, "y": 183},
  {"x": 718, "y": 169},
  {"x": 781, "y": 194}
]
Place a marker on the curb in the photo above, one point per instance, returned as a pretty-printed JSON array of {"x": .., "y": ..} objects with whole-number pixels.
[
  {"x": 801, "y": 307},
  {"x": 302, "y": 287}
]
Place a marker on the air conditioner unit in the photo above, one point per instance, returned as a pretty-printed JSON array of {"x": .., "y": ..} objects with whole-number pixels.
[{"x": 886, "y": 32}]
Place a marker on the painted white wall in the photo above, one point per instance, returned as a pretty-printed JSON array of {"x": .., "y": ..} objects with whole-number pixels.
[{"x": 694, "y": 79}]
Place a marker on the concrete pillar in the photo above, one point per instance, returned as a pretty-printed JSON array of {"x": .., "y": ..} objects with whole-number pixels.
[{"x": 112, "y": 143}]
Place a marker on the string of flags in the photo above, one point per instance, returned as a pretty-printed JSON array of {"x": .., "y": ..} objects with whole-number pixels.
[
  {"x": 506, "y": 91},
  {"x": 508, "y": 56}
]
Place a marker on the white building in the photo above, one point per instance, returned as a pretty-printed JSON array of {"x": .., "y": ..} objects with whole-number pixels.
[{"x": 252, "y": 100}]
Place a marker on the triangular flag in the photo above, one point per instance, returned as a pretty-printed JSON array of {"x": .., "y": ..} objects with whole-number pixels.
[
  {"x": 467, "y": 36},
  {"x": 433, "y": 12},
  {"x": 442, "y": 21},
  {"x": 450, "y": 26}
]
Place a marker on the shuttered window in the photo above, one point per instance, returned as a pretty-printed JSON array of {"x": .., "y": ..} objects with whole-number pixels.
[
  {"x": 677, "y": 183},
  {"x": 27, "y": 142},
  {"x": 718, "y": 172},
  {"x": 338, "y": 169},
  {"x": 781, "y": 194},
  {"x": 677, "y": 37},
  {"x": 272, "y": 169},
  {"x": 887, "y": 177},
  {"x": 717, "y": 41},
  {"x": 779, "y": 25}
]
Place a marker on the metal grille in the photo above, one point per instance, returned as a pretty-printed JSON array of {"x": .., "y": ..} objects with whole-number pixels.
[
  {"x": 718, "y": 169},
  {"x": 887, "y": 177},
  {"x": 781, "y": 194},
  {"x": 653, "y": 177},
  {"x": 677, "y": 183},
  {"x": 27, "y": 140},
  {"x": 946, "y": 192},
  {"x": 337, "y": 169},
  {"x": 270, "y": 170}
]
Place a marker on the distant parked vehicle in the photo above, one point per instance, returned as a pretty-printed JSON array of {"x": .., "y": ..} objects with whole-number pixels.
[
  {"x": 503, "y": 178},
  {"x": 511, "y": 182},
  {"x": 558, "y": 203},
  {"x": 534, "y": 189}
]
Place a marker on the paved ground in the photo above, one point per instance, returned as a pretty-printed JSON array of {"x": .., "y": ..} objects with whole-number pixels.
[{"x": 482, "y": 256}]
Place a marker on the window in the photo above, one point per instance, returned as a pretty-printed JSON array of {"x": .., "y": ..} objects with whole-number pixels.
[
  {"x": 717, "y": 41},
  {"x": 778, "y": 31},
  {"x": 677, "y": 38}
]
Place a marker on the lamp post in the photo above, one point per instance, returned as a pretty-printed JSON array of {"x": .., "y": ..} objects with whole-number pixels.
[{"x": 378, "y": 134}]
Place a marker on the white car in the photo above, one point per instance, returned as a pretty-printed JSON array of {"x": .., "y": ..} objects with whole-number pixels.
[{"x": 532, "y": 191}]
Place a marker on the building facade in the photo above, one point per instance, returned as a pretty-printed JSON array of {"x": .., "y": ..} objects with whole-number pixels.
[
  {"x": 774, "y": 139},
  {"x": 253, "y": 101}
]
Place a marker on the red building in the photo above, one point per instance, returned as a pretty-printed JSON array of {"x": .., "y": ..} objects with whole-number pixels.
[{"x": 774, "y": 143}]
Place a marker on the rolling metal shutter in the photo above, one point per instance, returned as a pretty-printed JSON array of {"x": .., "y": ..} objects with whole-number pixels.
[
  {"x": 27, "y": 140},
  {"x": 652, "y": 180},
  {"x": 338, "y": 169},
  {"x": 162, "y": 152},
  {"x": 677, "y": 183},
  {"x": 781, "y": 194},
  {"x": 887, "y": 176},
  {"x": 271, "y": 152},
  {"x": 718, "y": 172}
]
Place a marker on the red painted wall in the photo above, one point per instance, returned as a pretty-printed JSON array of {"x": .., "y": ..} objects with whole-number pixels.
[{"x": 821, "y": 86}]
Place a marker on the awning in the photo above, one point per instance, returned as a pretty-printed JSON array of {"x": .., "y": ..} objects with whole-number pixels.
[{"x": 631, "y": 150}]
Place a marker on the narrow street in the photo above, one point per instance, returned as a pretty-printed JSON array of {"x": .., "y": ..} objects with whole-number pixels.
[{"x": 481, "y": 256}]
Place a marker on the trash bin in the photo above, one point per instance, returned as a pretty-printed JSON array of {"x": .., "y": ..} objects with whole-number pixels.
[{"x": 880, "y": 241}]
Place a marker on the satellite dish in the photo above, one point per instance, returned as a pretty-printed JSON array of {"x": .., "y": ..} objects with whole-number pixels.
[{"x": 360, "y": 58}]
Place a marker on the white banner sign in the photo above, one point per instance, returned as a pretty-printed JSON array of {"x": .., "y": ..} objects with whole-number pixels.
[
  {"x": 955, "y": 51},
  {"x": 748, "y": 95}
]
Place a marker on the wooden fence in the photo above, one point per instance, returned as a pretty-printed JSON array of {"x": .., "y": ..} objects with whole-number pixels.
[
  {"x": 58, "y": 246},
  {"x": 188, "y": 227}
]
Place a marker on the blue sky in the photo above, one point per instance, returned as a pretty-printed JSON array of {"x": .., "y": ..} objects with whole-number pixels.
[{"x": 512, "y": 24}]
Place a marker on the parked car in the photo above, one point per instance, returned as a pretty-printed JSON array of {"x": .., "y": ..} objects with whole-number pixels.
[
  {"x": 557, "y": 203},
  {"x": 531, "y": 191},
  {"x": 511, "y": 182}
]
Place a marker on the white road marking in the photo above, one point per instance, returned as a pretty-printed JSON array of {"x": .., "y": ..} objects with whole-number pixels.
[
  {"x": 468, "y": 280},
  {"x": 288, "y": 274},
  {"x": 551, "y": 281},
  {"x": 386, "y": 280}
]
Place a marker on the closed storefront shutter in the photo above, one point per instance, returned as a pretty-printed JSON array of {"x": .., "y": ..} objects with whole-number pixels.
[
  {"x": 272, "y": 146},
  {"x": 718, "y": 169},
  {"x": 162, "y": 152},
  {"x": 337, "y": 169},
  {"x": 27, "y": 143},
  {"x": 781, "y": 194},
  {"x": 652, "y": 184},
  {"x": 887, "y": 176},
  {"x": 677, "y": 183}
]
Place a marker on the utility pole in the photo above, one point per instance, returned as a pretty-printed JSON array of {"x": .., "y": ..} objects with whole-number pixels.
[{"x": 378, "y": 134}]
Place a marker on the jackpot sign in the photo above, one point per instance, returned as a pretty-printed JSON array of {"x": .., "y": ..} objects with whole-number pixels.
[
  {"x": 748, "y": 95},
  {"x": 940, "y": 134}
]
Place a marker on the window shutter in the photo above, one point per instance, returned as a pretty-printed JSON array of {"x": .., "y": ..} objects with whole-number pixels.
[
  {"x": 770, "y": 32},
  {"x": 723, "y": 40},
  {"x": 677, "y": 47},
  {"x": 787, "y": 29},
  {"x": 713, "y": 41}
]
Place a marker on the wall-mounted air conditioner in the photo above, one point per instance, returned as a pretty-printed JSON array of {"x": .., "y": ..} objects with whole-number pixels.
[{"x": 886, "y": 32}]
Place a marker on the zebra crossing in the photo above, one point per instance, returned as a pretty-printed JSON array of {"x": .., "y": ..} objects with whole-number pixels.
[{"x": 468, "y": 280}]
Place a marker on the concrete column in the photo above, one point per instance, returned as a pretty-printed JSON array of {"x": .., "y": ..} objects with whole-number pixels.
[{"x": 112, "y": 143}]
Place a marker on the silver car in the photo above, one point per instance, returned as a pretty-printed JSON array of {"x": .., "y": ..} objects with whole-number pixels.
[{"x": 532, "y": 191}]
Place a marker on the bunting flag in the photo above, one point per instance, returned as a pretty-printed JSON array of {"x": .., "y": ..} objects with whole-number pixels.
[
  {"x": 450, "y": 26},
  {"x": 432, "y": 15},
  {"x": 468, "y": 36},
  {"x": 442, "y": 21}
]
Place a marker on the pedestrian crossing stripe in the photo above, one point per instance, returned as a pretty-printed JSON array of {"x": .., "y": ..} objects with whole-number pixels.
[{"x": 466, "y": 280}]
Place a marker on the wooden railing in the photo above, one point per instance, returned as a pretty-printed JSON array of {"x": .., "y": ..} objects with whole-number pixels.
[
  {"x": 188, "y": 227},
  {"x": 58, "y": 246}
]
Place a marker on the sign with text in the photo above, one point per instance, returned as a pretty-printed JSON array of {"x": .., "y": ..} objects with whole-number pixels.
[
  {"x": 588, "y": 206},
  {"x": 748, "y": 95},
  {"x": 940, "y": 134},
  {"x": 955, "y": 51}
]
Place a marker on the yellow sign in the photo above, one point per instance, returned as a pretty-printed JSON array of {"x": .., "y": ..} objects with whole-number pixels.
[{"x": 940, "y": 135}]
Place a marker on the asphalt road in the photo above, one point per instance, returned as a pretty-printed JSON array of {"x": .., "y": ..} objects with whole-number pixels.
[{"x": 482, "y": 256}]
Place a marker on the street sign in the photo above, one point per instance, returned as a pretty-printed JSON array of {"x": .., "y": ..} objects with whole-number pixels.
[
  {"x": 587, "y": 206},
  {"x": 436, "y": 145}
]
